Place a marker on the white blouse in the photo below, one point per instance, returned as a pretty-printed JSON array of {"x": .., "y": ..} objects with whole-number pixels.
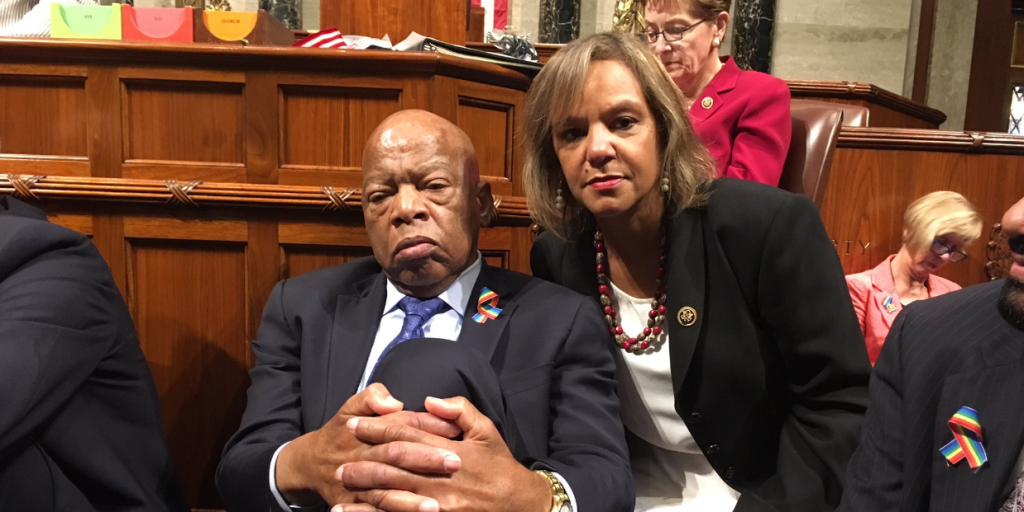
[{"x": 670, "y": 471}]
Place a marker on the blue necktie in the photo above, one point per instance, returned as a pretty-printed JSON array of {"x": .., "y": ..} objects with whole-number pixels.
[{"x": 417, "y": 312}]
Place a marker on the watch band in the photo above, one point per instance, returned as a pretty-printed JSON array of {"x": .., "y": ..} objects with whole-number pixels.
[{"x": 560, "y": 499}]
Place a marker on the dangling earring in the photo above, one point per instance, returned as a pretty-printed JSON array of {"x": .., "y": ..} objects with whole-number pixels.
[
  {"x": 665, "y": 184},
  {"x": 716, "y": 42},
  {"x": 559, "y": 200}
]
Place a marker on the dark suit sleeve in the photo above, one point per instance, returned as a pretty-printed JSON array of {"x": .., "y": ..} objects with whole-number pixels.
[
  {"x": 540, "y": 266},
  {"x": 57, "y": 321},
  {"x": 762, "y": 135},
  {"x": 272, "y": 415},
  {"x": 587, "y": 445},
  {"x": 874, "y": 477},
  {"x": 806, "y": 305}
]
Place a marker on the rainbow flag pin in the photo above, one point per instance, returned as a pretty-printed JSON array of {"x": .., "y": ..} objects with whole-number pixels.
[
  {"x": 889, "y": 306},
  {"x": 966, "y": 443},
  {"x": 487, "y": 306}
]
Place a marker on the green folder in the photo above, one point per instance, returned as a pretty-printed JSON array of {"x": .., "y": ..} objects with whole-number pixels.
[{"x": 85, "y": 21}]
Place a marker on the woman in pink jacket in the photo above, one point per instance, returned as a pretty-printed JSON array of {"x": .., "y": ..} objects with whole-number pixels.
[{"x": 936, "y": 230}]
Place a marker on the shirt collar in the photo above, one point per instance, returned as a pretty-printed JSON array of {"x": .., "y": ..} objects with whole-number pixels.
[{"x": 455, "y": 296}]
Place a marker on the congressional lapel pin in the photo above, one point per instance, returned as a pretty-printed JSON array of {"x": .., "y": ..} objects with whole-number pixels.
[
  {"x": 686, "y": 316},
  {"x": 890, "y": 306},
  {"x": 707, "y": 102},
  {"x": 487, "y": 306},
  {"x": 966, "y": 443}
]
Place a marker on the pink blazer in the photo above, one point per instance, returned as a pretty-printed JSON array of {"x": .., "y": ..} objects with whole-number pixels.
[
  {"x": 743, "y": 118},
  {"x": 873, "y": 293}
]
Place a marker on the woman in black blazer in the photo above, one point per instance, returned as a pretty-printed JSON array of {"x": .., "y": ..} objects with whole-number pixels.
[{"x": 759, "y": 402}]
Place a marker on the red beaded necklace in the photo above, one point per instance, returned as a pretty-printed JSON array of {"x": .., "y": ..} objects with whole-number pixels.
[{"x": 650, "y": 333}]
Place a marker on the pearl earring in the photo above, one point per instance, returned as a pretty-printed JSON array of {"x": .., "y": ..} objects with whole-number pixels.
[
  {"x": 665, "y": 186},
  {"x": 716, "y": 42},
  {"x": 559, "y": 200}
]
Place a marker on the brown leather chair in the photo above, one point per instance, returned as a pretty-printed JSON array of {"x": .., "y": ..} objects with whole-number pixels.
[
  {"x": 853, "y": 115},
  {"x": 809, "y": 161}
]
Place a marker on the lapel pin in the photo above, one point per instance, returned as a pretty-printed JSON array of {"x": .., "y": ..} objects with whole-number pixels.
[
  {"x": 686, "y": 316},
  {"x": 966, "y": 443},
  {"x": 889, "y": 305},
  {"x": 707, "y": 102},
  {"x": 487, "y": 306}
]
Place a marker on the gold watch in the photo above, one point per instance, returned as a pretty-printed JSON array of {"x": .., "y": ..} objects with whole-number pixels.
[{"x": 560, "y": 500}]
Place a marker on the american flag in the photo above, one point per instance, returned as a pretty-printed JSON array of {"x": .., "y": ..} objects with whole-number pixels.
[{"x": 329, "y": 38}]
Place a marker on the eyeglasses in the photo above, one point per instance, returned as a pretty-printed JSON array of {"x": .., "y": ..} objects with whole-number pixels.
[
  {"x": 670, "y": 34},
  {"x": 940, "y": 248}
]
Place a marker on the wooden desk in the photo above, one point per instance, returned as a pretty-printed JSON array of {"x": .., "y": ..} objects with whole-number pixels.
[
  {"x": 877, "y": 173},
  {"x": 206, "y": 174}
]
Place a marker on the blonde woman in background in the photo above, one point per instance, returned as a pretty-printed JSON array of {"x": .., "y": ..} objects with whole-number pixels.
[{"x": 936, "y": 230}]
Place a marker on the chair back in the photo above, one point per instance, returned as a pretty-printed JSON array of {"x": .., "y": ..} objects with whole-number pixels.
[
  {"x": 853, "y": 115},
  {"x": 809, "y": 161}
]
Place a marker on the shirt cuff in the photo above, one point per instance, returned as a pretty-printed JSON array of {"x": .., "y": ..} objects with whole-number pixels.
[
  {"x": 568, "y": 490},
  {"x": 283, "y": 505}
]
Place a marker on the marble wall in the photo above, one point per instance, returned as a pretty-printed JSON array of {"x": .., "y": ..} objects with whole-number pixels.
[
  {"x": 949, "y": 73},
  {"x": 857, "y": 40}
]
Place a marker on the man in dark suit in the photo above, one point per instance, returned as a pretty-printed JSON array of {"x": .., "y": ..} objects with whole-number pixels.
[
  {"x": 79, "y": 422},
  {"x": 533, "y": 425},
  {"x": 960, "y": 350}
]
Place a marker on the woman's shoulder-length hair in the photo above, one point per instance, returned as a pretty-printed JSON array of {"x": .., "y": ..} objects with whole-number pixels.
[{"x": 557, "y": 91}]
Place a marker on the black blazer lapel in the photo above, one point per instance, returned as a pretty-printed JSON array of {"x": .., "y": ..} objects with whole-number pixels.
[
  {"x": 486, "y": 336},
  {"x": 356, "y": 319},
  {"x": 994, "y": 391},
  {"x": 686, "y": 270}
]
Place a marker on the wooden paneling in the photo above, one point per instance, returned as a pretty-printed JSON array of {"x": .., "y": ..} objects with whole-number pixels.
[
  {"x": 888, "y": 109},
  {"x": 489, "y": 115},
  {"x": 326, "y": 127},
  {"x": 446, "y": 20},
  {"x": 56, "y": 126},
  {"x": 188, "y": 302},
  {"x": 183, "y": 121},
  {"x": 988, "y": 95},
  {"x": 299, "y": 259}
]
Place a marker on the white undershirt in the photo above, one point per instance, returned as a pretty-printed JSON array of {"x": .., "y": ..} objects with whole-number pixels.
[{"x": 670, "y": 471}]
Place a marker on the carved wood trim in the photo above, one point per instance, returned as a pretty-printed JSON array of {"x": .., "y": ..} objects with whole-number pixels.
[
  {"x": 905, "y": 139},
  {"x": 867, "y": 92},
  {"x": 511, "y": 211},
  {"x": 998, "y": 253},
  {"x": 223, "y": 57}
]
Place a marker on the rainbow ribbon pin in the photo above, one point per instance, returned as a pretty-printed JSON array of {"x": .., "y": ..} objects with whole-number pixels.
[
  {"x": 966, "y": 443},
  {"x": 487, "y": 306}
]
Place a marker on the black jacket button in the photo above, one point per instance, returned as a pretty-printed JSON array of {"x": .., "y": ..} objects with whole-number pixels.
[
  {"x": 695, "y": 417},
  {"x": 713, "y": 449},
  {"x": 729, "y": 473}
]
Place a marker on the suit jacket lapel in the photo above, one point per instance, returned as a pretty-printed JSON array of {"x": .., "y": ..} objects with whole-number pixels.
[
  {"x": 486, "y": 336},
  {"x": 995, "y": 391},
  {"x": 686, "y": 274},
  {"x": 356, "y": 319},
  {"x": 710, "y": 99},
  {"x": 881, "y": 280}
]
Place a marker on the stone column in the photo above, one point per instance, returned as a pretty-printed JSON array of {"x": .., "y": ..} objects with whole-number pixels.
[
  {"x": 753, "y": 30},
  {"x": 559, "y": 21}
]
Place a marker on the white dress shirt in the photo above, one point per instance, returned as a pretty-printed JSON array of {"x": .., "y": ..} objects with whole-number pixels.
[
  {"x": 30, "y": 18},
  {"x": 446, "y": 324},
  {"x": 670, "y": 472}
]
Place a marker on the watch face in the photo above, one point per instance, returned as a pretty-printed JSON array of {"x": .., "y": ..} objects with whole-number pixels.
[{"x": 566, "y": 507}]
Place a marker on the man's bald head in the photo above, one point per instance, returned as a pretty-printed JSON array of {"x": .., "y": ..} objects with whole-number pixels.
[
  {"x": 419, "y": 127},
  {"x": 423, "y": 201}
]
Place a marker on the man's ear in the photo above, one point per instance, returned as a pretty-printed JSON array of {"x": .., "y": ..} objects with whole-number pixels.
[{"x": 487, "y": 211}]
